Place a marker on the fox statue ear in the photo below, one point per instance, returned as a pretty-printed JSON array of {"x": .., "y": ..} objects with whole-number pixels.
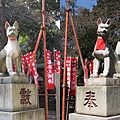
[
  {"x": 108, "y": 22},
  {"x": 16, "y": 24},
  {"x": 99, "y": 21},
  {"x": 7, "y": 25}
]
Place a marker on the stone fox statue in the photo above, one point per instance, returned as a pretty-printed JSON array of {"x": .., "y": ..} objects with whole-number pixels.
[
  {"x": 103, "y": 51},
  {"x": 11, "y": 52}
]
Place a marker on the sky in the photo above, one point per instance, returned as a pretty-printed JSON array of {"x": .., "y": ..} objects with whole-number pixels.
[{"x": 84, "y": 3}]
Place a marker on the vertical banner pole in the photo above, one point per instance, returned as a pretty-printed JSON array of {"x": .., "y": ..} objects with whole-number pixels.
[
  {"x": 65, "y": 56},
  {"x": 45, "y": 67}
]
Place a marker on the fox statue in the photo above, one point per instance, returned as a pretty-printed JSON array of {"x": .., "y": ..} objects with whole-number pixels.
[
  {"x": 11, "y": 52},
  {"x": 103, "y": 51}
]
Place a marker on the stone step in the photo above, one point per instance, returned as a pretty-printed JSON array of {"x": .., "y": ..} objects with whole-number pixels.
[
  {"x": 35, "y": 114},
  {"x": 103, "y": 82},
  {"x": 14, "y": 79},
  {"x": 74, "y": 116}
]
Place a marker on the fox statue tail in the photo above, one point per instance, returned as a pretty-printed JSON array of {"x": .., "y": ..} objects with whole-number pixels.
[
  {"x": 3, "y": 61},
  {"x": 117, "y": 52}
]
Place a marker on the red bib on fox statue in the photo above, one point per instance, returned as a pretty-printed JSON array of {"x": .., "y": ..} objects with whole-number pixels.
[
  {"x": 13, "y": 39},
  {"x": 100, "y": 44}
]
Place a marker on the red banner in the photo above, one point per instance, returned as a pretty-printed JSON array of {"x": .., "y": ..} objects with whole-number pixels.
[
  {"x": 29, "y": 64},
  {"x": 23, "y": 63},
  {"x": 90, "y": 64},
  {"x": 68, "y": 68},
  {"x": 29, "y": 60},
  {"x": 50, "y": 71},
  {"x": 73, "y": 76},
  {"x": 57, "y": 61}
]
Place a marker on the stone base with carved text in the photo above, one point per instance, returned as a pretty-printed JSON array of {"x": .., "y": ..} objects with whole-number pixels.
[
  {"x": 100, "y": 98},
  {"x": 19, "y": 100}
]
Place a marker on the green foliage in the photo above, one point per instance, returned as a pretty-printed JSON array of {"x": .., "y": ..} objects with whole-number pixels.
[
  {"x": 28, "y": 13},
  {"x": 53, "y": 37},
  {"x": 22, "y": 39}
]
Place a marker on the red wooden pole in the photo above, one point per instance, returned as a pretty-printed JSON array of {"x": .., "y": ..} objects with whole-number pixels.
[
  {"x": 68, "y": 14},
  {"x": 65, "y": 56},
  {"x": 45, "y": 67},
  {"x": 38, "y": 40}
]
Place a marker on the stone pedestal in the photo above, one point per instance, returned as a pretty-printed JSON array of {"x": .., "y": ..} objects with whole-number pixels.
[
  {"x": 99, "y": 100},
  {"x": 19, "y": 100}
]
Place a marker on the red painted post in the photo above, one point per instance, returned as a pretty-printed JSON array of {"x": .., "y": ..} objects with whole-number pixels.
[
  {"x": 68, "y": 14},
  {"x": 45, "y": 67},
  {"x": 38, "y": 40},
  {"x": 65, "y": 56}
]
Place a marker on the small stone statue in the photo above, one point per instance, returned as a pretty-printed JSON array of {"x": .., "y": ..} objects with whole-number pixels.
[{"x": 11, "y": 52}]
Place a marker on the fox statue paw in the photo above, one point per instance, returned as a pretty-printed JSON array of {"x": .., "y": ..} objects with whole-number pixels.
[
  {"x": 117, "y": 75},
  {"x": 21, "y": 74},
  {"x": 103, "y": 75},
  {"x": 94, "y": 75},
  {"x": 13, "y": 74},
  {"x": 1, "y": 74}
]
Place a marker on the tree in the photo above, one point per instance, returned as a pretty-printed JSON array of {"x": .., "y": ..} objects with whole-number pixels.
[
  {"x": 86, "y": 27},
  {"x": 28, "y": 13}
]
